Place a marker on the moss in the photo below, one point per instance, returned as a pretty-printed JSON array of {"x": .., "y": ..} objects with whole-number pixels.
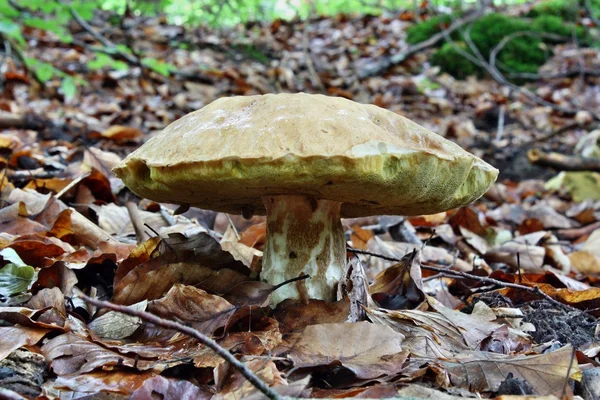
[
  {"x": 426, "y": 29},
  {"x": 568, "y": 10},
  {"x": 521, "y": 54},
  {"x": 454, "y": 63}
]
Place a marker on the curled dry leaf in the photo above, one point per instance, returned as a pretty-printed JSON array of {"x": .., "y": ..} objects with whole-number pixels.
[
  {"x": 190, "y": 306},
  {"x": 139, "y": 255},
  {"x": 368, "y": 350},
  {"x": 401, "y": 285},
  {"x": 483, "y": 372}
]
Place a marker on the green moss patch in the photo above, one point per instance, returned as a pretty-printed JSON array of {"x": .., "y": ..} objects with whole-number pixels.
[{"x": 521, "y": 54}]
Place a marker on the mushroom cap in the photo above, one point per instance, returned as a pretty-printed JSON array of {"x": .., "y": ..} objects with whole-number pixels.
[{"x": 232, "y": 152}]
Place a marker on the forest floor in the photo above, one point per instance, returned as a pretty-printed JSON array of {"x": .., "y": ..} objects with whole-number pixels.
[{"x": 500, "y": 297}]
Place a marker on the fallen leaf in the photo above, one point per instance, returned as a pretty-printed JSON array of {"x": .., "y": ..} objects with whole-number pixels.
[
  {"x": 116, "y": 325},
  {"x": 170, "y": 389},
  {"x": 483, "y": 372},
  {"x": 91, "y": 384},
  {"x": 400, "y": 286},
  {"x": 368, "y": 350},
  {"x": 15, "y": 337},
  {"x": 72, "y": 354},
  {"x": 190, "y": 306},
  {"x": 121, "y": 133}
]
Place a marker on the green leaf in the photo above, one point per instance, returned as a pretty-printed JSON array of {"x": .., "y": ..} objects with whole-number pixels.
[
  {"x": 101, "y": 60},
  {"x": 68, "y": 87},
  {"x": 160, "y": 67},
  {"x": 44, "y": 71},
  {"x": 10, "y": 255},
  {"x": 16, "y": 276}
]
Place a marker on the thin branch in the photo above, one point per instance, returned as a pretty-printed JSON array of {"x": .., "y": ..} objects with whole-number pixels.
[
  {"x": 111, "y": 47},
  {"x": 590, "y": 12},
  {"x": 563, "y": 162},
  {"x": 386, "y": 63},
  {"x": 205, "y": 340},
  {"x": 498, "y": 77},
  {"x": 464, "y": 275}
]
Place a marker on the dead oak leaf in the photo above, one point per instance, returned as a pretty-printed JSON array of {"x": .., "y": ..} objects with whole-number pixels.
[
  {"x": 368, "y": 350},
  {"x": 483, "y": 372},
  {"x": 70, "y": 353}
]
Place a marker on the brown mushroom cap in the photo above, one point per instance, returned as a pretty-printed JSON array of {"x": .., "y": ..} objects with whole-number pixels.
[{"x": 231, "y": 153}]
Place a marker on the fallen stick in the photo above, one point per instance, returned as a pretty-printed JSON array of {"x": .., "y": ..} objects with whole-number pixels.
[
  {"x": 385, "y": 63},
  {"x": 576, "y": 233},
  {"x": 563, "y": 162},
  {"x": 205, "y": 340}
]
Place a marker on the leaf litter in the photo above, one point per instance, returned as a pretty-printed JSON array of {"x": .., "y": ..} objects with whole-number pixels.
[{"x": 65, "y": 229}]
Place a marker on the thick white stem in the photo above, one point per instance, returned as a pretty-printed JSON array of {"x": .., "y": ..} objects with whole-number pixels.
[{"x": 304, "y": 235}]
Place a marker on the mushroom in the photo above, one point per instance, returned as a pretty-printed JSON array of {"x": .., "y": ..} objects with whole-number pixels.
[{"x": 305, "y": 161}]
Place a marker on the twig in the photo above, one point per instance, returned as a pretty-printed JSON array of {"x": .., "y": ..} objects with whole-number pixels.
[
  {"x": 386, "y": 63},
  {"x": 563, "y": 162},
  {"x": 205, "y": 340},
  {"x": 576, "y": 233},
  {"x": 557, "y": 132},
  {"x": 464, "y": 275},
  {"x": 105, "y": 42},
  {"x": 590, "y": 11},
  {"x": 564, "y": 389},
  {"x": 136, "y": 221},
  {"x": 565, "y": 74},
  {"x": 508, "y": 38}
]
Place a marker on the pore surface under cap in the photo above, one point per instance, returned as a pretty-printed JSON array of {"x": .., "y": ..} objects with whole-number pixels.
[{"x": 236, "y": 150}]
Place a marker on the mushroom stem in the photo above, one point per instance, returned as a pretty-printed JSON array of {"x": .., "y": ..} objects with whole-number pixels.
[{"x": 304, "y": 236}]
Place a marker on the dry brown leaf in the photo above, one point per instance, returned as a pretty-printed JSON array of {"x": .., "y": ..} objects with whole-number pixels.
[
  {"x": 170, "y": 389},
  {"x": 237, "y": 249},
  {"x": 366, "y": 349},
  {"x": 250, "y": 332},
  {"x": 469, "y": 218},
  {"x": 40, "y": 251},
  {"x": 234, "y": 386},
  {"x": 26, "y": 317},
  {"x": 14, "y": 337},
  {"x": 433, "y": 334},
  {"x": 255, "y": 236},
  {"x": 152, "y": 279},
  {"x": 189, "y": 306},
  {"x": 71, "y": 354},
  {"x": 401, "y": 285},
  {"x": 84, "y": 385},
  {"x": 48, "y": 298},
  {"x": 585, "y": 262},
  {"x": 531, "y": 256},
  {"x": 139, "y": 255},
  {"x": 121, "y": 133},
  {"x": 483, "y": 372},
  {"x": 295, "y": 315}
]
